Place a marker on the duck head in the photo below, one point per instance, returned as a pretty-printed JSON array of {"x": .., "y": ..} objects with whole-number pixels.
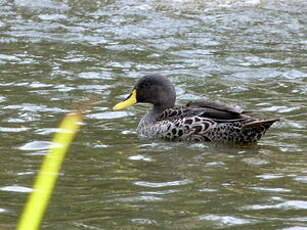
[{"x": 153, "y": 89}]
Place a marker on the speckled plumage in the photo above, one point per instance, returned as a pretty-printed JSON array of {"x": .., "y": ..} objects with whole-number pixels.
[
  {"x": 177, "y": 124},
  {"x": 196, "y": 121}
]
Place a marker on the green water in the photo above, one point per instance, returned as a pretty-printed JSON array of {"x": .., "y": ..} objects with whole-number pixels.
[{"x": 54, "y": 54}]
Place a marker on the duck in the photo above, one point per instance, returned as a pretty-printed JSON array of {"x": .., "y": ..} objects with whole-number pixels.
[{"x": 197, "y": 121}]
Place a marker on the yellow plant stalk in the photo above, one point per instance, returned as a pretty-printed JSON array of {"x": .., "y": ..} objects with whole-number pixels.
[{"x": 46, "y": 179}]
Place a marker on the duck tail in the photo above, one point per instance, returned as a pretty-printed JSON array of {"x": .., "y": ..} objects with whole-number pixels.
[{"x": 266, "y": 123}]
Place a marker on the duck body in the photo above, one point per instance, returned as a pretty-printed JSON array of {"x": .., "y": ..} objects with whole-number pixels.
[
  {"x": 200, "y": 124},
  {"x": 201, "y": 121}
]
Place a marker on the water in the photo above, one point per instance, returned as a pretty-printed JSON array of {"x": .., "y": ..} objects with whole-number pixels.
[{"x": 54, "y": 54}]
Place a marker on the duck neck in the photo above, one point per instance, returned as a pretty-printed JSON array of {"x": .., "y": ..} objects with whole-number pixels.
[
  {"x": 158, "y": 109},
  {"x": 154, "y": 114}
]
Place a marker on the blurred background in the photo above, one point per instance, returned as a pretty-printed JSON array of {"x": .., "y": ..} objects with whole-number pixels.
[{"x": 54, "y": 54}]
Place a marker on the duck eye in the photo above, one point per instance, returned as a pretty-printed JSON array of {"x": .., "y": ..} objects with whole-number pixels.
[{"x": 144, "y": 85}]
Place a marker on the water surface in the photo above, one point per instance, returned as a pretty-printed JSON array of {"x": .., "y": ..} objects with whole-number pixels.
[{"x": 54, "y": 54}]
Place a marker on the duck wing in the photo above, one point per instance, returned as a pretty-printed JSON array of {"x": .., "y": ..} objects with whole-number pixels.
[
  {"x": 215, "y": 110},
  {"x": 216, "y": 105}
]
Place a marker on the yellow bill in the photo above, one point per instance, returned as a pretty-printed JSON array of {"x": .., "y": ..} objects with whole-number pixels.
[{"x": 131, "y": 100}]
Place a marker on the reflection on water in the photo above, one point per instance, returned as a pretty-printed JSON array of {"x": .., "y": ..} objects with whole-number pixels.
[{"x": 55, "y": 54}]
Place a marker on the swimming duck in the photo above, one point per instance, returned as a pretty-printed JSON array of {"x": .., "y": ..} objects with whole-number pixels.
[{"x": 196, "y": 121}]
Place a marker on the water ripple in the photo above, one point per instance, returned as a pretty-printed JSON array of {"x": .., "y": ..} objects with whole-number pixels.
[
  {"x": 139, "y": 158},
  {"x": 140, "y": 198},
  {"x": 278, "y": 190},
  {"x": 295, "y": 228},
  {"x": 13, "y": 130},
  {"x": 287, "y": 205},
  {"x": 36, "y": 108},
  {"x": 52, "y": 17},
  {"x": 143, "y": 221},
  {"x": 162, "y": 184},
  {"x": 2, "y": 99},
  {"x": 16, "y": 188},
  {"x": 302, "y": 179},
  {"x": 109, "y": 115},
  {"x": 36, "y": 145},
  {"x": 226, "y": 220}
]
